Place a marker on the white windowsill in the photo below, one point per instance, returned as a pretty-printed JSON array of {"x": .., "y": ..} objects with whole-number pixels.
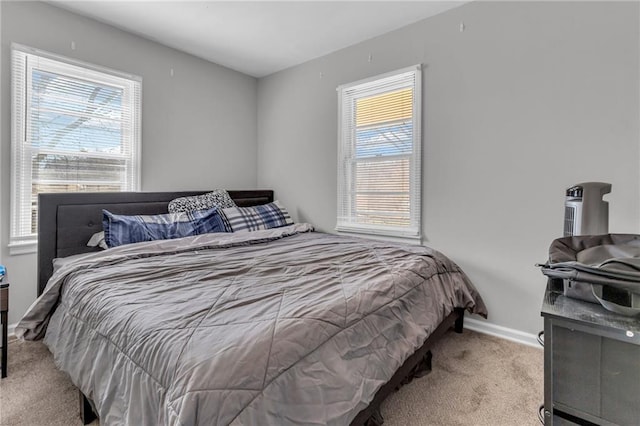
[
  {"x": 380, "y": 235},
  {"x": 23, "y": 248}
]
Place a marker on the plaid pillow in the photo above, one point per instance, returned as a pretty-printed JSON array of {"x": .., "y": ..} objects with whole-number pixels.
[
  {"x": 266, "y": 216},
  {"x": 121, "y": 229}
]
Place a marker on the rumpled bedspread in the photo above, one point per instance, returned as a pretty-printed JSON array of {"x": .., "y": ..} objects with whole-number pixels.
[{"x": 278, "y": 327}]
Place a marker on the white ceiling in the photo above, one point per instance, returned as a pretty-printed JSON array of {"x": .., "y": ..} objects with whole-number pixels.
[{"x": 258, "y": 37}]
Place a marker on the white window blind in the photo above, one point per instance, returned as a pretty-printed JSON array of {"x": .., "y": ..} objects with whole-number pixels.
[
  {"x": 379, "y": 155},
  {"x": 75, "y": 127}
]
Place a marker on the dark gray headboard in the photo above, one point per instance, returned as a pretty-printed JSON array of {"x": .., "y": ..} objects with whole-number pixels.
[{"x": 66, "y": 221}]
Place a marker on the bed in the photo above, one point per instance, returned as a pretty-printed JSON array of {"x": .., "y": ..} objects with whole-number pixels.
[{"x": 281, "y": 326}]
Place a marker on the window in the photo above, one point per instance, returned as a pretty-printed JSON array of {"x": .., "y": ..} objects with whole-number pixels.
[
  {"x": 75, "y": 127},
  {"x": 379, "y": 155}
]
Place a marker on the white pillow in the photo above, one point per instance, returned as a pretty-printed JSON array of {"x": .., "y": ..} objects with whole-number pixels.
[{"x": 97, "y": 240}]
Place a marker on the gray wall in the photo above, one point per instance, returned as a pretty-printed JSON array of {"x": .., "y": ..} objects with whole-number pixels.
[
  {"x": 528, "y": 100},
  {"x": 198, "y": 127}
]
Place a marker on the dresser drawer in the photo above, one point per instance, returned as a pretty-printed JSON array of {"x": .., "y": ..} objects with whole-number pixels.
[{"x": 596, "y": 375}]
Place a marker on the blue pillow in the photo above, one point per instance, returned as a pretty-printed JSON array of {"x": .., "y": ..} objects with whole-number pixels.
[{"x": 120, "y": 229}]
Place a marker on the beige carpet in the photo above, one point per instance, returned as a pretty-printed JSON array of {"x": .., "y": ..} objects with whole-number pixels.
[{"x": 476, "y": 380}]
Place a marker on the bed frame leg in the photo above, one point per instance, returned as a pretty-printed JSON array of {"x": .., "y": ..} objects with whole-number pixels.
[
  {"x": 376, "y": 419},
  {"x": 457, "y": 327},
  {"x": 421, "y": 369},
  {"x": 424, "y": 367},
  {"x": 86, "y": 410}
]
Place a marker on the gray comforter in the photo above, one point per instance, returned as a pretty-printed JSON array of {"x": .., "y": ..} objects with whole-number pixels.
[{"x": 276, "y": 327}]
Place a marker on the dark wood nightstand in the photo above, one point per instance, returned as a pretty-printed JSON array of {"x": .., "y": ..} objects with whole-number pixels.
[{"x": 4, "y": 309}]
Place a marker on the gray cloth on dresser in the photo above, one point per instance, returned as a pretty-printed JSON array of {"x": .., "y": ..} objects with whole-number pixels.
[
  {"x": 275, "y": 327},
  {"x": 609, "y": 259}
]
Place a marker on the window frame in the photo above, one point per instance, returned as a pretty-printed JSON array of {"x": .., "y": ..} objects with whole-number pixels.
[
  {"x": 346, "y": 221},
  {"x": 22, "y": 70}
]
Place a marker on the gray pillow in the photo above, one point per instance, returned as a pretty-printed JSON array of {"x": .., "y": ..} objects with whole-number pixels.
[
  {"x": 217, "y": 198},
  {"x": 59, "y": 262}
]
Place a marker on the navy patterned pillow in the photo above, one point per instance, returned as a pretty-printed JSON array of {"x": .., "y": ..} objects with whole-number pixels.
[
  {"x": 266, "y": 216},
  {"x": 217, "y": 198},
  {"x": 121, "y": 229}
]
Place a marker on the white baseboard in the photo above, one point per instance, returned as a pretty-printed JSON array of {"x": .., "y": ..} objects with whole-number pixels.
[
  {"x": 11, "y": 330},
  {"x": 502, "y": 332}
]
